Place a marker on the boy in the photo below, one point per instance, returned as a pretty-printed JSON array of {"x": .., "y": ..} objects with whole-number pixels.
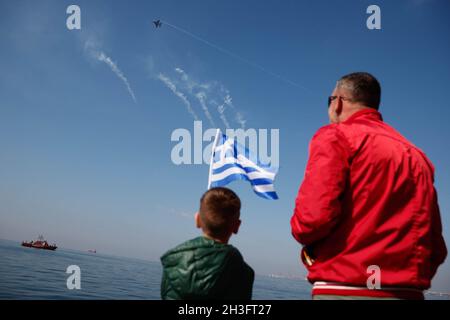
[{"x": 207, "y": 267}]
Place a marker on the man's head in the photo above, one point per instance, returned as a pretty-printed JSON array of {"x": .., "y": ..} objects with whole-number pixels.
[
  {"x": 353, "y": 92},
  {"x": 219, "y": 213}
]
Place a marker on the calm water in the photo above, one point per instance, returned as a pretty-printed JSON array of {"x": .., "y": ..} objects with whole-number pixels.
[{"x": 27, "y": 273}]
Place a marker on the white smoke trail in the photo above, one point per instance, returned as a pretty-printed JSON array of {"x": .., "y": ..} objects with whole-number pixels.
[
  {"x": 201, "y": 96},
  {"x": 238, "y": 116},
  {"x": 221, "y": 110},
  {"x": 216, "y": 89},
  {"x": 169, "y": 83},
  {"x": 235, "y": 56},
  {"x": 183, "y": 74},
  {"x": 191, "y": 84},
  {"x": 100, "y": 56}
]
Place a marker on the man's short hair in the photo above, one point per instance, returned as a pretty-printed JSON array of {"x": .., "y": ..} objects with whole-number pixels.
[
  {"x": 219, "y": 209},
  {"x": 363, "y": 87}
]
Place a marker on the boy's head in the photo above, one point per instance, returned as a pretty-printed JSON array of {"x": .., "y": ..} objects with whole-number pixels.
[{"x": 219, "y": 213}]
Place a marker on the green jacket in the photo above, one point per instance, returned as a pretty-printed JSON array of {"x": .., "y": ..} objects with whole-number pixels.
[{"x": 202, "y": 268}]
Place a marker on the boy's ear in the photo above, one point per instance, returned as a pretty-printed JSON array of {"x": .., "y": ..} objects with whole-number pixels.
[
  {"x": 236, "y": 226},
  {"x": 198, "y": 222}
]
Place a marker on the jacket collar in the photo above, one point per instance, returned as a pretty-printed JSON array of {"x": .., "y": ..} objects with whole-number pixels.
[{"x": 366, "y": 113}]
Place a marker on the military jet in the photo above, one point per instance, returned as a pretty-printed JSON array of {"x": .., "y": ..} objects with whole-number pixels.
[{"x": 157, "y": 23}]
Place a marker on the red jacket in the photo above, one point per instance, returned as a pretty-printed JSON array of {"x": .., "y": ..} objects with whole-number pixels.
[{"x": 368, "y": 198}]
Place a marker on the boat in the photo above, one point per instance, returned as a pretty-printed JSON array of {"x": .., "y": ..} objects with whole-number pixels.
[
  {"x": 92, "y": 251},
  {"x": 40, "y": 243}
]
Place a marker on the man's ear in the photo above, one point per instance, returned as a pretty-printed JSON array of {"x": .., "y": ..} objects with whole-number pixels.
[
  {"x": 236, "y": 226},
  {"x": 198, "y": 222}
]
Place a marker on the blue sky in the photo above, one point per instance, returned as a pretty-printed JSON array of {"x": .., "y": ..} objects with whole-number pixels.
[{"x": 88, "y": 166}]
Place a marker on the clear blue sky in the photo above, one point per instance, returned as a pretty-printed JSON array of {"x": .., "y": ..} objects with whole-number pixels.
[{"x": 87, "y": 166}]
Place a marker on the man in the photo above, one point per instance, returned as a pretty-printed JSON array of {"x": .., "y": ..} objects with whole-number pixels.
[{"x": 367, "y": 210}]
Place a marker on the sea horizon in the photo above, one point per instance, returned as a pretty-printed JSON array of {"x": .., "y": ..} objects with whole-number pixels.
[{"x": 28, "y": 273}]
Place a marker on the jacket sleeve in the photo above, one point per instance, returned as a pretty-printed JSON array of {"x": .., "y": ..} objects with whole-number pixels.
[
  {"x": 164, "y": 285},
  {"x": 165, "y": 291},
  {"x": 318, "y": 203},
  {"x": 438, "y": 247},
  {"x": 236, "y": 282}
]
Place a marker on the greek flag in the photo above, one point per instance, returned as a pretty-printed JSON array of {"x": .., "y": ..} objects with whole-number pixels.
[{"x": 231, "y": 161}]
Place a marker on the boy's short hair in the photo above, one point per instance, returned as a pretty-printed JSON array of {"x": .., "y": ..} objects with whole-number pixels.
[{"x": 219, "y": 209}]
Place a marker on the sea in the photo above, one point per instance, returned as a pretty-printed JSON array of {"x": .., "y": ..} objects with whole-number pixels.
[{"x": 27, "y": 273}]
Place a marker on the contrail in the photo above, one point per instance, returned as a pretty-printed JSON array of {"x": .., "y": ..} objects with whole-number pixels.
[
  {"x": 221, "y": 110},
  {"x": 191, "y": 84},
  {"x": 179, "y": 94},
  {"x": 183, "y": 74},
  {"x": 235, "y": 56},
  {"x": 201, "y": 96},
  {"x": 239, "y": 117},
  {"x": 104, "y": 58}
]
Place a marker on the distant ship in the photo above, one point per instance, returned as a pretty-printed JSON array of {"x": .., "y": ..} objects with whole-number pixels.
[
  {"x": 92, "y": 251},
  {"x": 40, "y": 243}
]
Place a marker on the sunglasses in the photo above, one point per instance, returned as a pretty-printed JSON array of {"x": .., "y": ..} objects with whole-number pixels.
[{"x": 332, "y": 98}]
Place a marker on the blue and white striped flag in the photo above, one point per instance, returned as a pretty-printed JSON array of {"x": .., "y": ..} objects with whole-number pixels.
[{"x": 230, "y": 161}]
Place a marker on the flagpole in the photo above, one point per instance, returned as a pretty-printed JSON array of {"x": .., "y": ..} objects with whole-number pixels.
[{"x": 212, "y": 158}]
